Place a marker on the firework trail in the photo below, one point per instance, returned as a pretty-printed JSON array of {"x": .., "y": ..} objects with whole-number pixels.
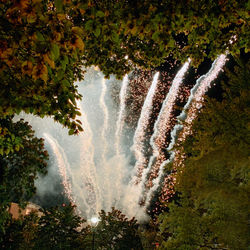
[
  {"x": 122, "y": 113},
  {"x": 188, "y": 114},
  {"x": 88, "y": 173},
  {"x": 141, "y": 129},
  {"x": 63, "y": 165},
  {"x": 105, "y": 195},
  {"x": 162, "y": 125},
  {"x": 100, "y": 178}
]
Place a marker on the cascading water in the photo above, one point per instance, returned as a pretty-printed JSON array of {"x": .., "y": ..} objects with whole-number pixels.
[{"x": 98, "y": 169}]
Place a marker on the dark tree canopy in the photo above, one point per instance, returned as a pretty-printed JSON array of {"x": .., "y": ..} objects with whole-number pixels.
[
  {"x": 61, "y": 228},
  {"x": 45, "y": 44},
  {"x": 20, "y": 168},
  {"x": 213, "y": 211},
  {"x": 115, "y": 231},
  {"x": 55, "y": 228},
  {"x": 146, "y": 32},
  {"x": 40, "y": 54}
]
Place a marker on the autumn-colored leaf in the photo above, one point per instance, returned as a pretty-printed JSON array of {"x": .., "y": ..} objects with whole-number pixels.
[
  {"x": 61, "y": 17},
  {"x": 57, "y": 36},
  {"x": 77, "y": 30},
  {"x": 27, "y": 67},
  {"x": 49, "y": 61},
  {"x": 77, "y": 42},
  {"x": 5, "y": 53},
  {"x": 40, "y": 71},
  {"x": 21, "y": 3}
]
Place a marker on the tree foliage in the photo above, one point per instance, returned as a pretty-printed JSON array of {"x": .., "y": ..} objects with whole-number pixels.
[
  {"x": 20, "y": 167},
  {"x": 115, "y": 231},
  {"x": 213, "y": 210},
  {"x": 61, "y": 228},
  {"x": 56, "y": 228},
  {"x": 148, "y": 31},
  {"x": 20, "y": 233},
  {"x": 44, "y": 45},
  {"x": 40, "y": 61}
]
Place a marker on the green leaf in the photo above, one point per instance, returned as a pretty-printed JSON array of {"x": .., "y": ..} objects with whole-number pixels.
[
  {"x": 88, "y": 25},
  {"x": 71, "y": 131},
  {"x": 7, "y": 151},
  {"x": 65, "y": 83},
  {"x": 100, "y": 13},
  {"x": 97, "y": 32},
  {"x": 50, "y": 72},
  {"x": 17, "y": 147},
  {"x": 40, "y": 37},
  {"x": 63, "y": 64},
  {"x": 105, "y": 38},
  {"x": 115, "y": 37},
  {"x": 171, "y": 43},
  {"x": 55, "y": 51},
  {"x": 59, "y": 5},
  {"x": 155, "y": 36},
  {"x": 60, "y": 74},
  {"x": 66, "y": 59}
]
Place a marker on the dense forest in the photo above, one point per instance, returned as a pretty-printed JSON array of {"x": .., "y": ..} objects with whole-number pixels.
[{"x": 45, "y": 45}]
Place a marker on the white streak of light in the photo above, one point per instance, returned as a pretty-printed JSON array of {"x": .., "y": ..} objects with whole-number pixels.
[
  {"x": 62, "y": 162},
  {"x": 106, "y": 197},
  {"x": 87, "y": 159},
  {"x": 142, "y": 126},
  {"x": 121, "y": 114},
  {"x": 162, "y": 123},
  {"x": 195, "y": 100}
]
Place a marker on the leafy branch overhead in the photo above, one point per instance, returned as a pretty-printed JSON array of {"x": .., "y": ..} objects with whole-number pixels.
[
  {"x": 44, "y": 45},
  {"x": 40, "y": 54}
]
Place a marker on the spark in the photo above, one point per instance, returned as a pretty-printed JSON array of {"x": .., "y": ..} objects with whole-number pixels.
[
  {"x": 140, "y": 133},
  {"x": 162, "y": 125},
  {"x": 62, "y": 162},
  {"x": 189, "y": 113},
  {"x": 121, "y": 114}
]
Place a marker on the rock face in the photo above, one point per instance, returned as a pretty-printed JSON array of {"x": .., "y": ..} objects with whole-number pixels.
[{"x": 16, "y": 211}]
